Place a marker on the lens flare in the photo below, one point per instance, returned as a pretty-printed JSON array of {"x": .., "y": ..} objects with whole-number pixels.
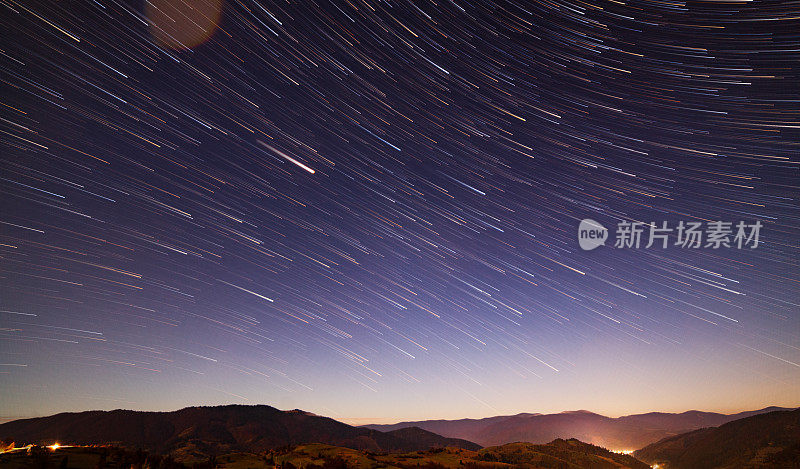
[{"x": 182, "y": 25}]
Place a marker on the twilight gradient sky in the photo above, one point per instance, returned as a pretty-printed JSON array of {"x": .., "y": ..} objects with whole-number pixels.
[{"x": 368, "y": 209}]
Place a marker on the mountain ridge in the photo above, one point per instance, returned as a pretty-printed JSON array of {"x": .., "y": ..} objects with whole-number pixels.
[
  {"x": 770, "y": 439},
  {"x": 209, "y": 430},
  {"x": 213, "y": 430},
  {"x": 624, "y": 432}
]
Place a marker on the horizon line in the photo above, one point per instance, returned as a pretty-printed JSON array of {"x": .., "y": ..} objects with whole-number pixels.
[{"x": 394, "y": 421}]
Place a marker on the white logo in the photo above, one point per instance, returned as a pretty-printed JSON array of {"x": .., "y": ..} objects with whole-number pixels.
[
  {"x": 591, "y": 234},
  {"x": 688, "y": 234}
]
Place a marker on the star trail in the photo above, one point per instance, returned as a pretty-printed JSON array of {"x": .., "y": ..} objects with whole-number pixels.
[{"x": 369, "y": 209}]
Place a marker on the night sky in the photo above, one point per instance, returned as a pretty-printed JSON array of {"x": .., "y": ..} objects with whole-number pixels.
[{"x": 369, "y": 209}]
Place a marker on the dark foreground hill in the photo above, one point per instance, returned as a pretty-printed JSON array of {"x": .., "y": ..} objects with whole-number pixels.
[
  {"x": 215, "y": 430},
  {"x": 562, "y": 454},
  {"x": 628, "y": 432},
  {"x": 766, "y": 440},
  {"x": 558, "y": 454}
]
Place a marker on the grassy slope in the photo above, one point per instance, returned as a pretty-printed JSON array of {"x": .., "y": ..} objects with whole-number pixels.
[{"x": 562, "y": 454}]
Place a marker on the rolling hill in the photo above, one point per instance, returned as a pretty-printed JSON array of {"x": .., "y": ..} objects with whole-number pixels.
[
  {"x": 558, "y": 453},
  {"x": 561, "y": 454},
  {"x": 765, "y": 440},
  {"x": 216, "y": 430}
]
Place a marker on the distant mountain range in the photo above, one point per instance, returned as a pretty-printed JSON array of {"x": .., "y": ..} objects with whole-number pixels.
[
  {"x": 766, "y": 440},
  {"x": 628, "y": 432},
  {"x": 203, "y": 431}
]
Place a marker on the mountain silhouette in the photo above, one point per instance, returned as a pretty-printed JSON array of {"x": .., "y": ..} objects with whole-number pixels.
[
  {"x": 628, "y": 432},
  {"x": 765, "y": 440},
  {"x": 216, "y": 430}
]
